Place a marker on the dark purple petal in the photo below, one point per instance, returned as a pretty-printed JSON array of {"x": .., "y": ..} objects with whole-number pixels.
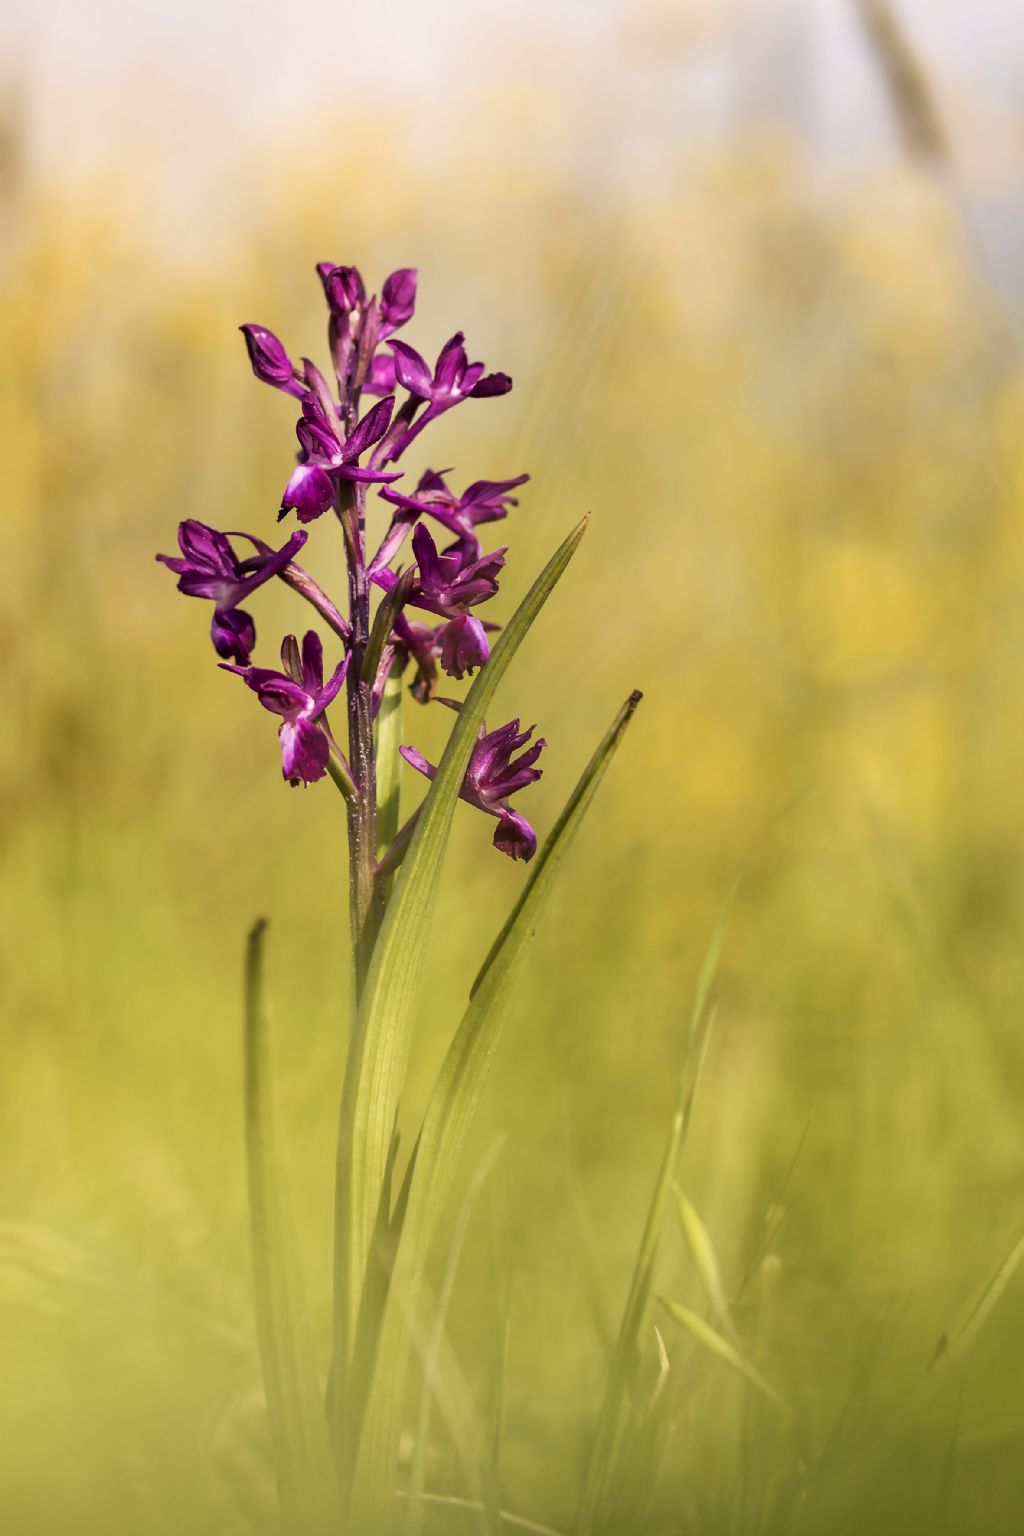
[
  {"x": 451, "y": 365},
  {"x": 291, "y": 661},
  {"x": 463, "y": 646},
  {"x": 310, "y": 491},
  {"x": 418, "y": 761},
  {"x": 199, "y": 584},
  {"x": 332, "y": 687},
  {"x": 364, "y": 476},
  {"x": 491, "y": 384},
  {"x": 487, "y": 500},
  {"x": 514, "y": 836},
  {"x": 411, "y": 370},
  {"x": 315, "y": 431},
  {"x": 206, "y": 547},
  {"x": 398, "y": 297},
  {"x": 370, "y": 430},
  {"x": 270, "y": 566},
  {"x": 233, "y": 634},
  {"x": 343, "y": 287},
  {"x": 381, "y": 379},
  {"x": 270, "y": 362},
  {"x": 469, "y": 377},
  {"x": 278, "y": 693},
  {"x": 304, "y": 751},
  {"x": 432, "y": 576},
  {"x": 312, "y": 663}
]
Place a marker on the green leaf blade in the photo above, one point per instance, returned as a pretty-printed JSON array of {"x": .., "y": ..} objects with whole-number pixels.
[
  {"x": 718, "y": 1345},
  {"x": 379, "y": 1048},
  {"x": 601, "y": 1464},
  {"x": 306, "y": 1473},
  {"x": 449, "y": 1116}
]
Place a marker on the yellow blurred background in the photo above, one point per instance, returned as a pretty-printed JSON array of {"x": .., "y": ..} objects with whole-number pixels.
[{"x": 764, "y": 323}]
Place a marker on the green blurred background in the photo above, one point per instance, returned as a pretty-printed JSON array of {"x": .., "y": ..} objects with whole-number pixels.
[{"x": 756, "y": 284}]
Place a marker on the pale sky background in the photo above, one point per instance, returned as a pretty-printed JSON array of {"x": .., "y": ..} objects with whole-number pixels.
[{"x": 198, "y": 86}]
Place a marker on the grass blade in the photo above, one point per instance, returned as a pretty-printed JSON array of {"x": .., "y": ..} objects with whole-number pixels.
[
  {"x": 447, "y": 1121},
  {"x": 705, "y": 1262},
  {"x": 431, "y": 1364},
  {"x": 964, "y": 1329},
  {"x": 628, "y": 1350},
  {"x": 307, "y": 1481},
  {"x": 710, "y": 1339},
  {"x": 379, "y": 1047}
]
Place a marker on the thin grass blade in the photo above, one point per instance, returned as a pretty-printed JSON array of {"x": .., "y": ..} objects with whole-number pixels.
[
  {"x": 307, "y": 1480},
  {"x": 379, "y": 1047},
  {"x": 431, "y": 1365},
  {"x": 964, "y": 1329},
  {"x": 450, "y": 1113},
  {"x": 705, "y": 1261},
  {"x": 716, "y": 1344},
  {"x": 601, "y": 1464}
]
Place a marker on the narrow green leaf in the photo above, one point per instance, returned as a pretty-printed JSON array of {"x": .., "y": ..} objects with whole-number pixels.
[
  {"x": 711, "y": 1340},
  {"x": 306, "y": 1475},
  {"x": 379, "y": 1046},
  {"x": 705, "y": 1262},
  {"x": 431, "y": 1364},
  {"x": 966, "y": 1326},
  {"x": 449, "y": 1115},
  {"x": 389, "y": 764},
  {"x": 601, "y": 1465}
]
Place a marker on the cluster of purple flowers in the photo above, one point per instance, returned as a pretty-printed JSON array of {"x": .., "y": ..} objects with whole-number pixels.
[{"x": 344, "y": 453}]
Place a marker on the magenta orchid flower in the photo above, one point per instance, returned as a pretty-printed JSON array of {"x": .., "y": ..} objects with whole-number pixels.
[
  {"x": 208, "y": 567},
  {"x": 328, "y": 456},
  {"x": 485, "y": 501},
  {"x": 492, "y": 777},
  {"x": 300, "y": 696}
]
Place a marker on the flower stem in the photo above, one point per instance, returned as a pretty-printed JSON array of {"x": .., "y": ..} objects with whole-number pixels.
[{"x": 366, "y": 906}]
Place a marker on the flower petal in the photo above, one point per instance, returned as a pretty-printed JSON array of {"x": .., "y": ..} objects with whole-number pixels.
[
  {"x": 312, "y": 662},
  {"x": 514, "y": 836},
  {"x": 233, "y": 634},
  {"x": 310, "y": 492},
  {"x": 304, "y": 751},
  {"x": 398, "y": 297},
  {"x": 418, "y": 761},
  {"x": 463, "y": 645},
  {"x": 491, "y": 384},
  {"x": 411, "y": 370},
  {"x": 370, "y": 430}
]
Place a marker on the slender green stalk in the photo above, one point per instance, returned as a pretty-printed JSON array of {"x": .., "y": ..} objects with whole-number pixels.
[
  {"x": 379, "y": 1044},
  {"x": 306, "y": 1478},
  {"x": 450, "y": 1112}
]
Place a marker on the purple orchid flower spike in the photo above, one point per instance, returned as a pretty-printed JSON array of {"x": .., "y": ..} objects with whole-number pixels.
[
  {"x": 492, "y": 778},
  {"x": 300, "y": 696},
  {"x": 327, "y": 457},
  {"x": 270, "y": 362},
  {"x": 208, "y": 567}
]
